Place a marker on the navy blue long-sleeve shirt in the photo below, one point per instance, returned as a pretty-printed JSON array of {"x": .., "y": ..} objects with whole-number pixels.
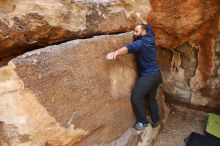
[{"x": 145, "y": 51}]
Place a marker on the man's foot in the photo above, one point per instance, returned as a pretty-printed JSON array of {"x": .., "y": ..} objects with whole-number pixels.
[
  {"x": 140, "y": 125},
  {"x": 155, "y": 124}
]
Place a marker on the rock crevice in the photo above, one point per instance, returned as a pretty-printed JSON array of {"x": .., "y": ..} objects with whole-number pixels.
[{"x": 27, "y": 25}]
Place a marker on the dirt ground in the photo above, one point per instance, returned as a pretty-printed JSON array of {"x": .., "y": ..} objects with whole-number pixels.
[{"x": 181, "y": 122}]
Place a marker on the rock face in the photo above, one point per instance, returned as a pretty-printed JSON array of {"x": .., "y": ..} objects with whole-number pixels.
[
  {"x": 69, "y": 94},
  {"x": 187, "y": 52},
  {"x": 24, "y": 121},
  {"x": 27, "y": 25},
  {"x": 187, "y": 38}
]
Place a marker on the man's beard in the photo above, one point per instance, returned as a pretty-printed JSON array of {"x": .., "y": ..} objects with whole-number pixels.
[{"x": 135, "y": 37}]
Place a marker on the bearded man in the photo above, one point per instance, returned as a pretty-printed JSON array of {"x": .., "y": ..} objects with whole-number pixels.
[{"x": 150, "y": 77}]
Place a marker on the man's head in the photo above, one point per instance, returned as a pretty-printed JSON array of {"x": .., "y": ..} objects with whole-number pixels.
[{"x": 139, "y": 31}]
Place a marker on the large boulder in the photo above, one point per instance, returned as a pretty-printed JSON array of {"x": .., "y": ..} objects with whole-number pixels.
[
  {"x": 69, "y": 94},
  {"x": 186, "y": 33},
  {"x": 31, "y": 24},
  {"x": 79, "y": 97}
]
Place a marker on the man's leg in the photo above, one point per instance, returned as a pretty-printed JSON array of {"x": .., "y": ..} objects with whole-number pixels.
[
  {"x": 153, "y": 105},
  {"x": 140, "y": 90},
  {"x": 153, "y": 102}
]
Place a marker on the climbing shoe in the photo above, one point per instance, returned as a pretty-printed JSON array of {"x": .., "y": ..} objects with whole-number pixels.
[
  {"x": 155, "y": 124},
  {"x": 140, "y": 125}
]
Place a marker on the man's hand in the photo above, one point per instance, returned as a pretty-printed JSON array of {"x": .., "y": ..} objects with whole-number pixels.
[
  {"x": 111, "y": 56},
  {"x": 138, "y": 15},
  {"x": 119, "y": 52},
  {"x": 140, "y": 18}
]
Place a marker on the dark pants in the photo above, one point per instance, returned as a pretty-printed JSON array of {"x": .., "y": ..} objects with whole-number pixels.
[{"x": 146, "y": 87}]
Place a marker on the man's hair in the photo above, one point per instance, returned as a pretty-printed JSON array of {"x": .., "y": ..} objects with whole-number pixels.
[{"x": 143, "y": 26}]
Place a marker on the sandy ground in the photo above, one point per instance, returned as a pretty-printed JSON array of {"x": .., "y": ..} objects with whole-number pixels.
[{"x": 181, "y": 122}]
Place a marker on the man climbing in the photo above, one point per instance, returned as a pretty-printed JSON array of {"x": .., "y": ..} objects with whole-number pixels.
[{"x": 150, "y": 77}]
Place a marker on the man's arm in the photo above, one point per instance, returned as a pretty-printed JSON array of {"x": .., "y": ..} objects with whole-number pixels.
[
  {"x": 141, "y": 19},
  {"x": 134, "y": 47},
  {"x": 148, "y": 26},
  {"x": 119, "y": 52}
]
